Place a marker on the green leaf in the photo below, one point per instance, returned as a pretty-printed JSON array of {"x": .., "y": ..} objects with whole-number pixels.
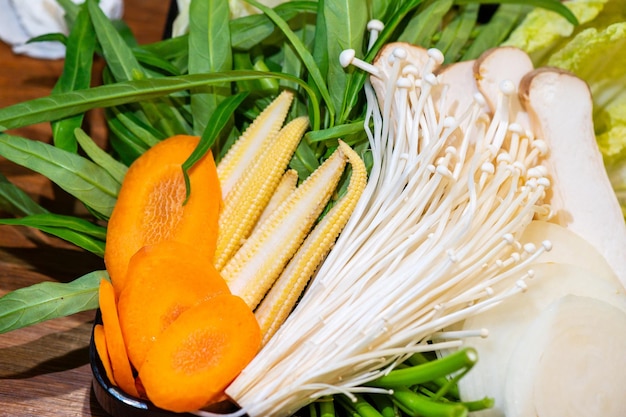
[
  {"x": 49, "y": 300},
  {"x": 209, "y": 51},
  {"x": 424, "y": 24},
  {"x": 80, "y": 232},
  {"x": 305, "y": 160},
  {"x": 124, "y": 66},
  {"x": 346, "y": 22},
  {"x": 71, "y": 11},
  {"x": 496, "y": 30},
  {"x": 147, "y": 58},
  {"x": 355, "y": 84},
  {"x": 219, "y": 119},
  {"x": 553, "y": 5},
  {"x": 75, "y": 174},
  {"x": 15, "y": 201},
  {"x": 457, "y": 33},
  {"x": 49, "y": 37},
  {"x": 67, "y": 104},
  {"x": 304, "y": 54},
  {"x": 144, "y": 132},
  {"x": 76, "y": 75},
  {"x": 58, "y": 220},
  {"x": 335, "y": 132},
  {"x": 116, "y": 169},
  {"x": 249, "y": 31},
  {"x": 118, "y": 55}
]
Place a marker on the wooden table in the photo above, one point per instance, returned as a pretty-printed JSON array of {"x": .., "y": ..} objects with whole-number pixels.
[{"x": 44, "y": 369}]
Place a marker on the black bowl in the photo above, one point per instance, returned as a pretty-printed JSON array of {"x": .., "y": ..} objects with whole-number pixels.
[{"x": 115, "y": 401}]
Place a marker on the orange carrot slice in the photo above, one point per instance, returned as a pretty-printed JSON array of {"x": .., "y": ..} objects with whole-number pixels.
[
  {"x": 163, "y": 281},
  {"x": 122, "y": 371},
  {"x": 99, "y": 340},
  {"x": 200, "y": 353},
  {"x": 150, "y": 206}
]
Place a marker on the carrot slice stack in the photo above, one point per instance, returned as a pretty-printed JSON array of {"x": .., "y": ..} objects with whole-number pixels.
[
  {"x": 116, "y": 348},
  {"x": 99, "y": 340},
  {"x": 200, "y": 353},
  {"x": 164, "y": 280},
  {"x": 151, "y": 205}
]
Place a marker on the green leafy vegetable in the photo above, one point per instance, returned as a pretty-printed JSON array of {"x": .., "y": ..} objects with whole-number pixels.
[
  {"x": 78, "y": 176},
  {"x": 76, "y": 75},
  {"x": 15, "y": 201},
  {"x": 48, "y": 300},
  {"x": 115, "y": 169},
  {"x": 209, "y": 51},
  {"x": 219, "y": 119}
]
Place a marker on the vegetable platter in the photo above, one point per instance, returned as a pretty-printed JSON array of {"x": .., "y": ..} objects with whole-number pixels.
[{"x": 321, "y": 208}]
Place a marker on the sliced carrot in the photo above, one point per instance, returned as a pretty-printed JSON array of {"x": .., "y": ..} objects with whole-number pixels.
[
  {"x": 150, "y": 205},
  {"x": 122, "y": 371},
  {"x": 199, "y": 354},
  {"x": 163, "y": 281},
  {"x": 99, "y": 340}
]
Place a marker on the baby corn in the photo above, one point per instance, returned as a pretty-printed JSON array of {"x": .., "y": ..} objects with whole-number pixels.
[
  {"x": 252, "y": 143},
  {"x": 283, "y": 295},
  {"x": 254, "y": 268},
  {"x": 286, "y": 186},
  {"x": 245, "y": 202}
]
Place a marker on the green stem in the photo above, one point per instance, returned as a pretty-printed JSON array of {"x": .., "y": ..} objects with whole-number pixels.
[
  {"x": 416, "y": 404},
  {"x": 327, "y": 407},
  {"x": 359, "y": 407},
  {"x": 460, "y": 360}
]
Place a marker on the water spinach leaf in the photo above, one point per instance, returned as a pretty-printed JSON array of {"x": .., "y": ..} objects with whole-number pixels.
[
  {"x": 218, "y": 120},
  {"x": 76, "y": 75},
  {"x": 345, "y": 23},
  {"x": 496, "y": 30},
  {"x": 425, "y": 22},
  {"x": 209, "y": 51},
  {"x": 48, "y": 300},
  {"x": 305, "y": 56},
  {"x": 456, "y": 34},
  {"x": 15, "y": 201},
  {"x": 66, "y": 104},
  {"x": 116, "y": 169},
  {"x": 75, "y": 174},
  {"x": 124, "y": 66},
  {"x": 553, "y": 5},
  {"x": 80, "y": 232}
]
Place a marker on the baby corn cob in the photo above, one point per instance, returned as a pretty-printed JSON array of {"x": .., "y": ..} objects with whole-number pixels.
[
  {"x": 283, "y": 295},
  {"x": 254, "y": 268},
  {"x": 286, "y": 186},
  {"x": 245, "y": 202},
  {"x": 253, "y": 141}
]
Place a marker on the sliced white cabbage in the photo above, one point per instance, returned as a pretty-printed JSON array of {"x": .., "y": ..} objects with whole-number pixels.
[
  {"x": 567, "y": 247},
  {"x": 569, "y": 362},
  {"x": 508, "y": 321}
]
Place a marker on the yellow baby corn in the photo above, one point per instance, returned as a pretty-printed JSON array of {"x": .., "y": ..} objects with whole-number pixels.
[
  {"x": 254, "y": 268},
  {"x": 250, "y": 145},
  {"x": 283, "y": 295},
  {"x": 286, "y": 186},
  {"x": 245, "y": 202}
]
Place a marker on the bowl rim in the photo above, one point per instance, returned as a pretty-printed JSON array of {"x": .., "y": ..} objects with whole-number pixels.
[{"x": 112, "y": 399}]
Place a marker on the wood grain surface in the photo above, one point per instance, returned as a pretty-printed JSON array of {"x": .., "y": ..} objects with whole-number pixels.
[{"x": 44, "y": 369}]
